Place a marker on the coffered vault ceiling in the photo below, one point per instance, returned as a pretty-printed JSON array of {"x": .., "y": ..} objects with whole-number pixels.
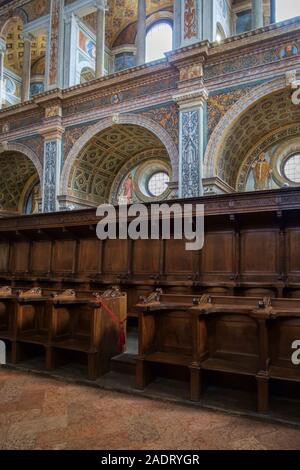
[
  {"x": 268, "y": 115},
  {"x": 15, "y": 171},
  {"x": 102, "y": 159},
  {"x": 15, "y": 47},
  {"x": 122, "y": 13}
]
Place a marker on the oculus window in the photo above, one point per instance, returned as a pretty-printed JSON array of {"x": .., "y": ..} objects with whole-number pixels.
[
  {"x": 291, "y": 168},
  {"x": 158, "y": 183}
]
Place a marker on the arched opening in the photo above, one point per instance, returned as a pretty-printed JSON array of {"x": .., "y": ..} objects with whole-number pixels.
[
  {"x": 87, "y": 74},
  {"x": 122, "y": 164},
  {"x": 159, "y": 40},
  {"x": 259, "y": 149},
  {"x": 13, "y": 62},
  {"x": 19, "y": 184}
]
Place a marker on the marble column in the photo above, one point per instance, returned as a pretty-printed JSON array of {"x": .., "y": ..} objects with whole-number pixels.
[
  {"x": 141, "y": 33},
  {"x": 2, "y": 54},
  {"x": 191, "y": 143},
  {"x": 257, "y": 14},
  {"x": 26, "y": 72},
  {"x": 70, "y": 47},
  {"x": 100, "y": 42}
]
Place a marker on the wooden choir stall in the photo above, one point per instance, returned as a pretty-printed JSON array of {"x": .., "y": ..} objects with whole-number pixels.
[{"x": 226, "y": 315}]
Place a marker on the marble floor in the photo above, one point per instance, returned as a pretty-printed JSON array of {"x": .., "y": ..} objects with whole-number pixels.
[{"x": 42, "y": 413}]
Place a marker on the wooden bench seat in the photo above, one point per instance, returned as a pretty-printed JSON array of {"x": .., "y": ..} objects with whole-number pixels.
[
  {"x": 64, "y": 321},
  {"x": 217, "y": 334}
]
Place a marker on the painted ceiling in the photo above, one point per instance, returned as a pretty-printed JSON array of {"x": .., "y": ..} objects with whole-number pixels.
[
  {"x": 104, "y": 157},
  {"x": 122, "y": 13},
  {"x": 268, "y": 115},
  {"x": 15, "y": 171},
  {"x": 15, "y": 47}
]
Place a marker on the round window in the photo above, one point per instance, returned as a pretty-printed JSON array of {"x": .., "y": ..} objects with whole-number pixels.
[
  {"x": 292, "y": 168},
  {"x": 158, "y": 183}
]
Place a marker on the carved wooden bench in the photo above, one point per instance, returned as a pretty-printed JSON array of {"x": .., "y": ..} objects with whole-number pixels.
[
  {"x": 88, "y": 325},
  {"x": 165, "y": 334},
  {"x": 239, "y": 336},
  {"x": 80, "y": 321},
  {"x": 231, "y": 337}
]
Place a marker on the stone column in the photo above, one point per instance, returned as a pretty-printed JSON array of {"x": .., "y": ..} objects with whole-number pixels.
[
  {"x": 257, "y": 14},
  {"x": 191, "y": 142},
  {"x": 70, "y": 47},
  {"x": 26, "y": 72},
  {"x": 100, "y": 42},
  {"x": 141, "y": 33},
  {"x": 2, "y": 54}
]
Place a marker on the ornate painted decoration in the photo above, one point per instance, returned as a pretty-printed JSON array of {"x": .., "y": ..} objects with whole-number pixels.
[
  {"x": 190, "y": 19},
  {"x": 50, "y": 170},
  {"x": 190, "y": 158},
  {"x": 15, "y": 172},
  {"x": 104, "y": 157},
  {"x": 54, "y": 41}
]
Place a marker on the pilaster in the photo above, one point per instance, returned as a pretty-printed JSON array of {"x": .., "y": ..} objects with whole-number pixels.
[
  {"x": 52, "y": 133},
  {"x": 100, "y": 41},
  {"x": 191, "y": 21},
  {"x": 141, "y": 33},
  {"x": 70, "y": 48},
  {"x": 54, "y": 55},
  {"x": 26, "y": 72}
]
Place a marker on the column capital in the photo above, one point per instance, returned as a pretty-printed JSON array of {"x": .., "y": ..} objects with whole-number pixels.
[
  {"x": 191, "y": 98},
  {"x": 68, "y": 16},
  {"x": 52, "y": 131},
  {"x": 27, "y": 37},
  {"x": 101, "y": 5}
]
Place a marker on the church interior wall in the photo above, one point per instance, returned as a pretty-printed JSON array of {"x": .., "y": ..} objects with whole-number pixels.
[{"x": 220, "y": 74}]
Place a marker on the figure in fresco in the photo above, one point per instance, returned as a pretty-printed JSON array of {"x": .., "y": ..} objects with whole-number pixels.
[
  {"x": 190, "y": 19},
  {"x": 36, "y": 195},
  {"x": 128, "y": 189},
  {"x": 261, "y": 172}
]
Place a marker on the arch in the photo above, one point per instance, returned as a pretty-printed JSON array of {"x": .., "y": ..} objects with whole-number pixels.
[
  {"x": 283, "y": 134},
  {"x": 16, "y": 147},
  {"x": 18, "y": 13},
  {"x": 133, "y": 119},
  {"x": 214, "y": 147}
]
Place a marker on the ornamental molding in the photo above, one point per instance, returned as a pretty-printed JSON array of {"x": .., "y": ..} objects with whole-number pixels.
[
  {"x": 52, "y": 131},
  {"x": 191, "y": 98}
]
